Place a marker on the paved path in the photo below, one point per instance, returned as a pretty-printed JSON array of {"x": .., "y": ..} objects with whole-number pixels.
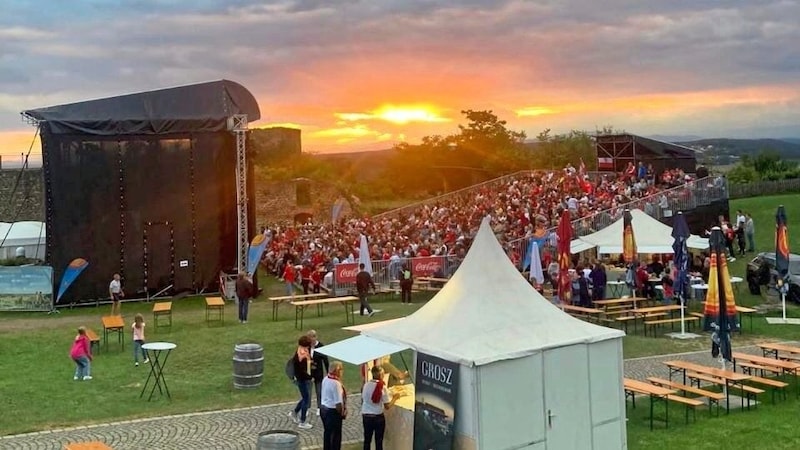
[{"x": 239, "y": 428}]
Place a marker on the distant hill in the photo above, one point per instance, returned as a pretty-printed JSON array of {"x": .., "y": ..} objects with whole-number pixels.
[
  {"x": 792, "y": 140},
  {"x": 674, "y": 138},
  {"x": 739, "y": 147}
]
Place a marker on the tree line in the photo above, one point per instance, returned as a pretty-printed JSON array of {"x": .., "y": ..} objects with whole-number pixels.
[{"x": 483, "y": 148}]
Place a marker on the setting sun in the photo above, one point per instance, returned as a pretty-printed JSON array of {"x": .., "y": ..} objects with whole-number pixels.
[{"x": 400, "y": 115}]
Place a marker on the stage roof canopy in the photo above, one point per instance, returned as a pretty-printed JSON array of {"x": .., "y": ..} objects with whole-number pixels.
[{"x": 203, "y": 107}]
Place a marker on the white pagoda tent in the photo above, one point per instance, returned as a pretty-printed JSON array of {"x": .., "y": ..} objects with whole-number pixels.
[
  {"x": 651, "y": 236},
  {"x": 530, "y": 376}
]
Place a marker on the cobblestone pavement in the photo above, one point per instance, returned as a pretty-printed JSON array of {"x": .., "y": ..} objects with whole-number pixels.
[{"x": 239, "y": 428}]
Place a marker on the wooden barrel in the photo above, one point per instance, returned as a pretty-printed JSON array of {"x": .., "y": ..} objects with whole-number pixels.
[
  {"x": 278, "y": 440},
  {"x": 248, "y": 366}
]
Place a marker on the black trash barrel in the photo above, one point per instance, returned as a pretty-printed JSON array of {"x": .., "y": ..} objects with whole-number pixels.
[
  {"x": 248, "y": 366},
  {"x": 278, "y": 440}
]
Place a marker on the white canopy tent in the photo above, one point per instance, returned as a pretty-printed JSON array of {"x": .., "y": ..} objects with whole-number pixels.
[
  {"x": 526, "y": 366},
  {"x": 27, "y": 235},
  {"x": 651, "y": 236}
]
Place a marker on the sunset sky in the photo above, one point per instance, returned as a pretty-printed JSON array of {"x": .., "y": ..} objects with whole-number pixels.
[{"x": 360, "y": 75}]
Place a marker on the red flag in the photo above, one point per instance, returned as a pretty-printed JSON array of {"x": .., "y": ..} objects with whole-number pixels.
[{"x": 564, "y": 233}]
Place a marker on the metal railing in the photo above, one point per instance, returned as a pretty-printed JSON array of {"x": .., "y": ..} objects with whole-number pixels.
[{"x": 386, "y": 271}]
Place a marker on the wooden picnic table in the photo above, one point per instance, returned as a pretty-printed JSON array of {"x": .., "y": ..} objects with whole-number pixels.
[
  {"x": 634, "y": 315},
  {"x": 785, "y": 367},
  {"x": 677, "y": 366},
  {"x": 582, "y": 311},
  {"x": 301, "y": 305},
  {"x": 619, "y": 301},
  {"x": 276, "y": 301},
  {"x": 434, "y": 279},
  {"x": 772, "y": 349},
  {"x": 656, "y": 394}
]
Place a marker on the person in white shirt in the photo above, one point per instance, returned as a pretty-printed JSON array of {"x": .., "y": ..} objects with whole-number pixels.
[
  {"x": 374, "y": 400},
  {"x": 116, "y": 293},
  {"x": 334, "y": 407}
]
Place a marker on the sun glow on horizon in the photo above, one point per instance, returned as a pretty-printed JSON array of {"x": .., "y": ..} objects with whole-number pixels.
[
  {"x": 533, "y": 111},
  {"x": 398, "y": 114}
]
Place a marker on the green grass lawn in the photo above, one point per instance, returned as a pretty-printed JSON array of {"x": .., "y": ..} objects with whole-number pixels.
[{"x": 37, "y": 391}]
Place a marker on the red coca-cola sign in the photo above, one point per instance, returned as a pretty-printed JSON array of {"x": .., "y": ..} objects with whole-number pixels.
[
  {"x": 346, "y": 272},
  {"x": 427, "y": 266}
]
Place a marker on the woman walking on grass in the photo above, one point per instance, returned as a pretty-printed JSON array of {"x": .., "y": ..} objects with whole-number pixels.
[
  {"x": 138, "y": 340},
  {"x": 302, "y": 378}
]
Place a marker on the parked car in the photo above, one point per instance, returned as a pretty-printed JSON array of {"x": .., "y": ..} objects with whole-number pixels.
[{"x": 761, "y": 271}]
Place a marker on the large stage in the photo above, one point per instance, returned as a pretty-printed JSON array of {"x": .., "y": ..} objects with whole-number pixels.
[{"x": 145, "y": 185}]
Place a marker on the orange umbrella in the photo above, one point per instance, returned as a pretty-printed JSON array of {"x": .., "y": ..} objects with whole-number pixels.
[{"x": 720, "y": 309}]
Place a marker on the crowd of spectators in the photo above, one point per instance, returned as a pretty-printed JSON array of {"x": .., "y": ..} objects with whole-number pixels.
[{"x": 519, "y": 206}]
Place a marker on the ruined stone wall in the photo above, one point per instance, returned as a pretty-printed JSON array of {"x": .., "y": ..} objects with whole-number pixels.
[{"x": 27, "y": 201}]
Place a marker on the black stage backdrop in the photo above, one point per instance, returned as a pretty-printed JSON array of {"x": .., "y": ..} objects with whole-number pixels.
[
  {"x": 436, "y": 393},
  {"x": 139, "y": 206}
]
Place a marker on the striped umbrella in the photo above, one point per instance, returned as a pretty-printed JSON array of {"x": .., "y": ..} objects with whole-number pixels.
[
  {"x": 782, "y": 254},
  {"x": 720, "y": 309}
]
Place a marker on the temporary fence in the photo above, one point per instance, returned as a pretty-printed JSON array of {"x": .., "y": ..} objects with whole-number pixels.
[
  {"x": 744, "y": 190},
  {"x": 384, "y": 272}
]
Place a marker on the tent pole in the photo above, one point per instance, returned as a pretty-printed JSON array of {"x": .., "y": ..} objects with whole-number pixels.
[{"x": 683, "y": 323}]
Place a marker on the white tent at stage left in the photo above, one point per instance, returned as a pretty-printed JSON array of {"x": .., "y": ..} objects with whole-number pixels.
[
  {"x": 523, "y": 361},
  {"x": 651, "y": 236},
  {"x": 29, "y": 235}
]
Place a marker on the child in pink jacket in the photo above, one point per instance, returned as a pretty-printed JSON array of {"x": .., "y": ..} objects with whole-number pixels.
[{"x": 81, "y": 353}]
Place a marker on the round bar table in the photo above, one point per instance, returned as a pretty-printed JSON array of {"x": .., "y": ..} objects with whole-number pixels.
[{"x": 158, "y": 353}]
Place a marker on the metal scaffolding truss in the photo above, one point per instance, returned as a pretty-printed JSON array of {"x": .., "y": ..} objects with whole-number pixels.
[{"x": 237, "y": 124}]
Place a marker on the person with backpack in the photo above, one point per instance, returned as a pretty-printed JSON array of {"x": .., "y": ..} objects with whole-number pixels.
[
  {"x": 299, "y": 369},
  {"x": 406, "y": 282}
]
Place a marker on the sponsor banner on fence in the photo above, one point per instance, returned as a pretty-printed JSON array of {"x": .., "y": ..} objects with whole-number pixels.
[
  {"x": 427, "y": 266},
  {"x": 346, "y": 272},
  {"x": 436, "y": 392}
]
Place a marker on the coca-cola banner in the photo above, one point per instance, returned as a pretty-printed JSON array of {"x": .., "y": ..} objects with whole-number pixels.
[
  {"x": 427, "y": 266},
  {"x": 346, "y": 272}
]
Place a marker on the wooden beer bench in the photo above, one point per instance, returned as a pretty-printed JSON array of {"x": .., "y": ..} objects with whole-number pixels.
[
  {"x": 94, "y": 340},
  {"x": 162, "y": 309},
  {"x": 215, "y": 304},
  {"x": 276, "y": 301},
  {"x": 300, "y": 307},
  {"x": 113, "y": 324}
]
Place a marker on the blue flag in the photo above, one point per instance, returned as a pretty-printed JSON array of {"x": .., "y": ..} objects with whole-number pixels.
[
  {"x": 257, "y": 247},
  {"x": 70, "y": 275}
]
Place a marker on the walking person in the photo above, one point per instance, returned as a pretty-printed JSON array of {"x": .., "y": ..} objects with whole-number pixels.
[
  {"x": 116, "y": 293},
  {"x": 374, "y": 400},
  {"x": 750, "y": 232},
  {"x": 244, "y": 292},
  {"x": 406, "y": 282},
  {"x": 138, "y": 340},
  {"x": 81, "y": 353},
  {"x": 599, "y": 280},
  {"x": 302, "y": 378},
  {"x": 334, "y": 407},
  {"x": 363, "y": 283},
  {"x": 319, "y": 367},
  {"x": 288, "y": 278}
]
